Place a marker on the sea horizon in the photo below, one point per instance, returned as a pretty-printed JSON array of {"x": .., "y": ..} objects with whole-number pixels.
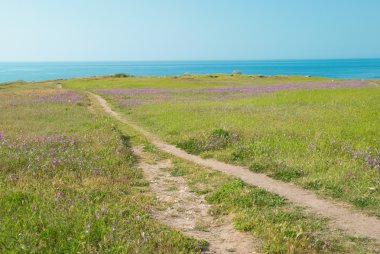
[
  {"x": 193, "y": 60},
  {"x": 349, "y": 68}
]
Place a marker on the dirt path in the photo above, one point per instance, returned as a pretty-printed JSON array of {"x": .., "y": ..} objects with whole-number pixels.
[
  {"x": 188, "y": 212},
  {"x": 341, "y": 215}
]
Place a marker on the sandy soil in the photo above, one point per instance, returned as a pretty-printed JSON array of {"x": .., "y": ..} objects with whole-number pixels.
[{"x": 187, "y": 211}]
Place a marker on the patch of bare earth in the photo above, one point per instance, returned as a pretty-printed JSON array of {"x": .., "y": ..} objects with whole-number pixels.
[{"x": 188, "y": 212}]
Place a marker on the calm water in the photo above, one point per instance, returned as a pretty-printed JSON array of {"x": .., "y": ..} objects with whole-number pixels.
[{"x": 347, "y": 68}]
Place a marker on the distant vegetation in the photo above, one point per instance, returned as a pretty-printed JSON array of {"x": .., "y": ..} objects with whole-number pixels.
[{"x": 121, "y": 75}]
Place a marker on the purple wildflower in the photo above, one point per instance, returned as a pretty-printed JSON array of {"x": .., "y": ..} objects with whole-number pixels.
[
  {"x": 279, "y": 87},
  {"x": 54, "y": 162},
  {"x": 134, "y": 91},
  {"x": 58, "y": 195},
  {"x": 64, "y": 96},
  {"x": 96, "y": 171},
  {"x": 88, "y": 227},
  {"x": 327, "y": 244},
  {"x": 14, "y": 177}
]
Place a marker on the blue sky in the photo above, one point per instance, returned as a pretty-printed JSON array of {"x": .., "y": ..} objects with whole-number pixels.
[{"x": 55, "y": 30}]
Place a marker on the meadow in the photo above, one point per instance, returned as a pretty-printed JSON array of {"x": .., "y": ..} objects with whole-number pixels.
[
  {"x": 69, "y": 180},
  {"x": 321, "y": 134},
  {"x": 68, "y": 184}
]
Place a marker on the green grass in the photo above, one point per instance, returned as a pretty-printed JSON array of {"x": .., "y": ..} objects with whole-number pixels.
[
  {"x": 93, "y": 199},
  {"x": 322, "y": 139},
  {"x": 68, "y": 185},
  {"x": 280, "y": 226},
  {"x": 182, "y": 81}
]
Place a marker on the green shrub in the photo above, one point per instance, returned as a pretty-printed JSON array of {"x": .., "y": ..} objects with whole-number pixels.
[
  {"x": 286, "y": 173},
  {"x": 121, "y": 75},
  {"x": 178, "y": 171},
  {"x": 257, "y": 167},
  {"x": 193, "y": 146},
  {"x": 217, "y": 140}
]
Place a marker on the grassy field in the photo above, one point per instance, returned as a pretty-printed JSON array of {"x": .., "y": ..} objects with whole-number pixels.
[
  {"x": 280, "y": 226},
  {"x": 182, "y": 81},
  {"x": 69, "y": 181},
  {"x": 326, "y": 140}
]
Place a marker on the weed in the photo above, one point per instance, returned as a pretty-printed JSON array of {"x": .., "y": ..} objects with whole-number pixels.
[
  {"x": 178, "y": 171},
  {"x": 217, "y": 140},
  {"x": 257, "y": 167},
  {"x": 285, "y": 173},
  {"x": 363, "y": 201},
  {"x": 68, "y": 184},
  {"x": 193, "y": 146}
]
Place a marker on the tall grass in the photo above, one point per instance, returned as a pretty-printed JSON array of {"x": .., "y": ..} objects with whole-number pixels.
[
  {"x": 325, "y": 140},
  {"x": 68, "y": 184}
]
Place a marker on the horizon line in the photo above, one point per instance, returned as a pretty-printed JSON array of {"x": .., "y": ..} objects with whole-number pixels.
[{"x": 192, "y": 60}]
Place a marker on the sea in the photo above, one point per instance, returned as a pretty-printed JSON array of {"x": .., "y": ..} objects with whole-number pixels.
[{"x": 333, "y": 68}]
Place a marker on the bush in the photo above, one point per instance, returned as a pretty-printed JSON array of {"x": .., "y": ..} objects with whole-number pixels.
[
  {"x": 193, "y": 146},
  {"x": 257, "y": 167},
  {"x": 121, "y": 75},
  {"x": 285, "y": 173},
  {"x": 217, "y": 140}
]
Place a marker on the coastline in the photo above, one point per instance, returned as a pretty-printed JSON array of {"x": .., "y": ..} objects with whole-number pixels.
[{"x": 332, "y": 68}]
